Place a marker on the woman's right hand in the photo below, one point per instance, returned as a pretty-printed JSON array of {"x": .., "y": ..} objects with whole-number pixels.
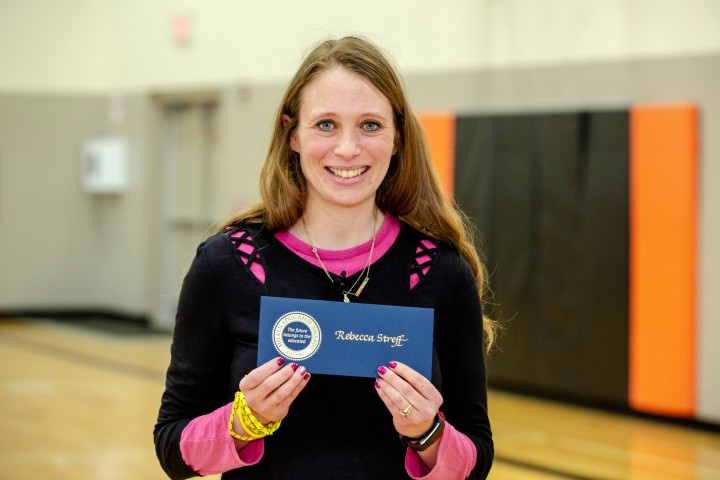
[{"x": 271, "y": 388}]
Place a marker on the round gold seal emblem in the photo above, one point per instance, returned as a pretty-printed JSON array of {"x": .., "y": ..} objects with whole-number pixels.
[{"x": 296, "y": 335}]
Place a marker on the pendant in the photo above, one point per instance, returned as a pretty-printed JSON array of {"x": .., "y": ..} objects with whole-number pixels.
[
  {"x": 362, "y": 286},
  {"x": 345, "y": 298}
]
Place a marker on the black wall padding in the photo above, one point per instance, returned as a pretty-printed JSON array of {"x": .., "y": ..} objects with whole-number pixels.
[{"x": 549, "y": 195}]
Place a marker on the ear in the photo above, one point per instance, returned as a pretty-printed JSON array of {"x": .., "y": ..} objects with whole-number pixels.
[{"x": 293, "y": 140}]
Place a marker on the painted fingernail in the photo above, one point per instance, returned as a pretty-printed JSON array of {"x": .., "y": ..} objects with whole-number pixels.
[
  {"x": 377, "y": 385},
  {"x": 392, "y": 364},
  {"x": 294, "y": 366},
  {"x": 302, "y": 371},
  {"x": 382, "y": 370},
  {"x": 307, "y": 377},
  {"x": 280, "y": 362}
]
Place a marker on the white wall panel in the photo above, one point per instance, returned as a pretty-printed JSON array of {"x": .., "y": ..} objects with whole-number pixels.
[
  {"x": 54, "y": 46},
  {"x": 127, "y": 44}
]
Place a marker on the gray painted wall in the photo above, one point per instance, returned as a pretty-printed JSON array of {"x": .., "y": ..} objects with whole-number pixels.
[{"x": 62, "y": 248}]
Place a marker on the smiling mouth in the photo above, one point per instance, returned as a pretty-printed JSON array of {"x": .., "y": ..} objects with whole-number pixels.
[{"x": 347, "y": 173}]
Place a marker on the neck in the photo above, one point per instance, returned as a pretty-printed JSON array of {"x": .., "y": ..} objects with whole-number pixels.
[{"x": 339, "y": 230}]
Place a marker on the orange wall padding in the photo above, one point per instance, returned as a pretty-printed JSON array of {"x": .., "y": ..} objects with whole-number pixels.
[
  {"x": 663, "y": 258},
  {"x": 440, "y": 131}
]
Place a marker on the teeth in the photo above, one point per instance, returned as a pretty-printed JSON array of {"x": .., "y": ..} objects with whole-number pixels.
[{"x": 348, "y": 173}]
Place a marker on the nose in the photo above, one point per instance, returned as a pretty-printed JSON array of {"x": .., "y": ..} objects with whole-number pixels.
[{"x": 347, "y": 145}]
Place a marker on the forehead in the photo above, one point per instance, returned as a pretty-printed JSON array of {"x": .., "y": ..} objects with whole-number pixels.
[{"x": 338, "y": 87}]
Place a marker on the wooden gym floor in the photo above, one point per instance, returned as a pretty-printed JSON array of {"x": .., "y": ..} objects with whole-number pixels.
[{"x": 80, "y": 403}]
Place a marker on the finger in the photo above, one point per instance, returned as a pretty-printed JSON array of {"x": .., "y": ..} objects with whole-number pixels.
[
  {"x": 393, "y": 400},
  {"x": 258, "y": 375},
  {"x": 417, "y": 417},
  {"x": 284, "y": 391},
  {"x": 273, "y": 382},
  {"x": 402, "y": 395},
  {"x": 292, "y": 388},
  {"x": 411, "y": 384},
  {"x": 400, "y": 391},
  {"x": 384, "y": 395},
  {"x": 276, "y": 405}
]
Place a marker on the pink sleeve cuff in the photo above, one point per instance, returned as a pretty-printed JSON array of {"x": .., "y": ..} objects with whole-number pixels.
[
  {"x": 207, "y": 447},
  {"x": 456, "y": 458}
]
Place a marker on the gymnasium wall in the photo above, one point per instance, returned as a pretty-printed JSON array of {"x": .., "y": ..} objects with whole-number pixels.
[
  {"x": 87, "y": 68},
  {"x": 586, "y": 326},
  {"x": 63, "y": 248}
]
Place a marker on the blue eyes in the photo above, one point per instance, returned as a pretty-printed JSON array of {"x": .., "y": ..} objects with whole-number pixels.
[{"x": 369, "y": 126}]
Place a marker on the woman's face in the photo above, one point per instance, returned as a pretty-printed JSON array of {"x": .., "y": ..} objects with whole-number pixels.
[{"x": 345, "y": 137}]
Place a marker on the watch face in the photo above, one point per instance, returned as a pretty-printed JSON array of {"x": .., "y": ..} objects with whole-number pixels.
[{"x": 424, "y": 442}]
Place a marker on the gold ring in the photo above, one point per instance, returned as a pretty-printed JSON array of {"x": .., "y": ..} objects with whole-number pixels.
[{"x": 405, "y": 411}]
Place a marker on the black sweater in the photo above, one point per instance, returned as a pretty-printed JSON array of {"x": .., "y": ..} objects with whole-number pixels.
[{"x": 338, "y": 428}]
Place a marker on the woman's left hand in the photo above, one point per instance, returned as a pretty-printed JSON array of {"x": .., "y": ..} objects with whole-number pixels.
[{"x": 411, "y": 399}]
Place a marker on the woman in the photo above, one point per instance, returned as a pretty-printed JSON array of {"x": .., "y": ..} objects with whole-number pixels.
[{"x": 348, "y": 188}]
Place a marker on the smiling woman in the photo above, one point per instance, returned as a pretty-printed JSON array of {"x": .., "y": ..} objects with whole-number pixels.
[
  {"x": 348, "y": 187},
  {"x": 345, "y": 137}
]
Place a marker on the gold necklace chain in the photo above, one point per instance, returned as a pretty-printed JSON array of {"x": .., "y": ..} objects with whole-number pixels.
[{"x": 365, "y": 270}]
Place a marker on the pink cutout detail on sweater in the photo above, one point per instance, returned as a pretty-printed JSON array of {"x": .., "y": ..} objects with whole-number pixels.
[
  {"x": 350, "y": 261},
  {"x": 256, "y": 267},
  {"x": 415, "y": 277}
]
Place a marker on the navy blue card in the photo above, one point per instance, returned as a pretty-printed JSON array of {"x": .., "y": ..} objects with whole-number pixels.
[{"x": 351, "y": 339}]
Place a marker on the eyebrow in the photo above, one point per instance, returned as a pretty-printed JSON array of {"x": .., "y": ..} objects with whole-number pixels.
[{"x": 330, "y": 113}]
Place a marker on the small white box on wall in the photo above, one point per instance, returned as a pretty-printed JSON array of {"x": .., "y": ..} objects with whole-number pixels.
[{"x": 104, "y": 165}]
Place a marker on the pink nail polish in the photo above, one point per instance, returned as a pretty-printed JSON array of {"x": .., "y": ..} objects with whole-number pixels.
[
  {"x": 382, "y": 370},
  {"x": 307, "y": 377},
  {"x": 392, "y": 364},
  {"x": 280, "y": 362},
  {"x": 294, "y": 366},
  {"x": 377, "y": 385},
  {"x": 302, "y": 371}
]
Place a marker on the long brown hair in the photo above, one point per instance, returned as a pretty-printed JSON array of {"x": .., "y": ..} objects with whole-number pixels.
[{"x": 411, "y": 190}]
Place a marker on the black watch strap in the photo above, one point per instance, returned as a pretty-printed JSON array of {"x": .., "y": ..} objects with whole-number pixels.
[{"x": 424, "y": 441}]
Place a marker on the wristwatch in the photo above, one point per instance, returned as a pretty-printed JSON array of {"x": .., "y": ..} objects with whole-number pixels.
[{"x": 424, "y": 441}]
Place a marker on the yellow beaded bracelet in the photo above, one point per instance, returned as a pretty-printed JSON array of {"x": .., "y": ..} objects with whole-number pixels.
[
  {"x": 250, "y": 424},
  {"x": 231, "y": 430},
  {"x": 249, "y": 419}
]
